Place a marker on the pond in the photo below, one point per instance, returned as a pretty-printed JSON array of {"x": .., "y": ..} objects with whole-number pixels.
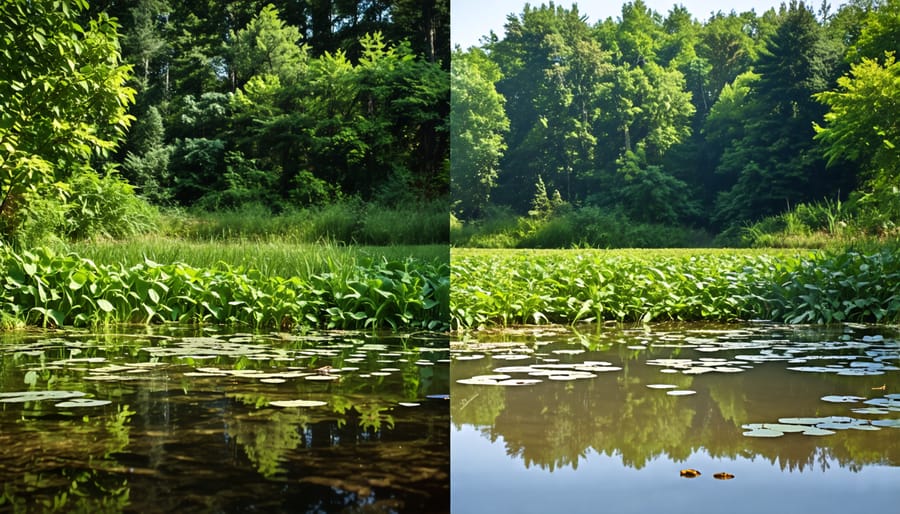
[
  {"x": 677, "y": 418},
  {"x": 180, "y": 419}
]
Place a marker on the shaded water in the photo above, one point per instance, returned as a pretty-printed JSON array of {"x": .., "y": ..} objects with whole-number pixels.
[
  {"x": 596, "y": 438},
  {"x": 190, "y": 424}
]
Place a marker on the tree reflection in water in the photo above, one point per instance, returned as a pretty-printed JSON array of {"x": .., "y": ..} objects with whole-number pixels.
[
  {"x": 200, "y": 434},
  {"x": 555, "y": 425}
]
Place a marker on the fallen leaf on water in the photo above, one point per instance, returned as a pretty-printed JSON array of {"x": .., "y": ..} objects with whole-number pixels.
[
  {"x": 690, "y": 473},
  {"x": 723, "y": 476}
]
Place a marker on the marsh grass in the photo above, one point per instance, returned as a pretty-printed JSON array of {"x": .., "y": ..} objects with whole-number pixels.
[
  {"x": 271, "y": 258},
  {"x": 346, "y": 222},
  {"x": 585, "y": 227}
]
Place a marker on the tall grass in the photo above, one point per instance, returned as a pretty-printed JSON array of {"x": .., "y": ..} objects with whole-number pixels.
[
  {"x": 586, "y": 227},
  {"x": 349, "y": 222},
  {"x": 824, "y": 224},
  {"x": 271, "y": 258}
]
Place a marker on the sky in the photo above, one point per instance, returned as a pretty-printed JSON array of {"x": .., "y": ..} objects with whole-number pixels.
[{"x": 472, "y": 19}]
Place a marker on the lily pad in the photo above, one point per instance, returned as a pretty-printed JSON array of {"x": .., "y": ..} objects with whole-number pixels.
[
  {"x": 833, "y": 398},
  {"x": 870, "y": 410},
  {"x": 297, "y": 403},
  {"x": 408, "y": 404},
  {"x": 519, "y": 382},
  {"x": 325, "y": 378},
  {"x": 891, "y": 423},
  {"x": 662, "y": 386},
  {"x": 477, "y": 381},
  {"x": 763, "y": 432},
  {"x": 82, "y": 402},
  {"x": 817, "y": 431},
  {"x": 37, "y": 396},
  {"x": 680, "y": 392}
]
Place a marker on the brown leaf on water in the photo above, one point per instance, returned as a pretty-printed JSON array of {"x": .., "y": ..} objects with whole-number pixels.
[
  {"x": 690, "y": 473},
  {"x": 723, "y": 476}
]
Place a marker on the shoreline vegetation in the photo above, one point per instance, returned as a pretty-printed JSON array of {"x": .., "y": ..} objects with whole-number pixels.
[
  {"x": 499, "y": 288},
  {"x": 331, "y": 288}
]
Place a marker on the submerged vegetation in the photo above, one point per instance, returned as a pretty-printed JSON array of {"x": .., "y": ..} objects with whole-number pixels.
[{"x": 516, "y": 287}]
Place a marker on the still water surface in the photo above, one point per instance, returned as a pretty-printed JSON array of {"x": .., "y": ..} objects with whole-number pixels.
[
  {"x": 591, "y": 436},
  {"x": 179, "y": 420}
]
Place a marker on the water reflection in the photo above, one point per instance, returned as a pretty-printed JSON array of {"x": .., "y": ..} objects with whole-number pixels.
[
  {"x": 612, "y": 428},
  {"x": 191, "y": 427}
]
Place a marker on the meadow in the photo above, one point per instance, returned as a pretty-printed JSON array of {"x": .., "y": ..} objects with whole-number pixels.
[{"x": 506, "y": 287}]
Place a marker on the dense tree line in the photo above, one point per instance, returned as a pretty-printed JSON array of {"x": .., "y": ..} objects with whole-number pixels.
[
  {"x": 670, "y": 120},
  {"x": 220, "y": 103},
  {"x": 287, "y": 103}
]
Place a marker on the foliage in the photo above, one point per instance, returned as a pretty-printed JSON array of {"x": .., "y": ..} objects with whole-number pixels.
[
  {"x": 87, "y": 206},
  {"x": 49, "y": 289},
  {"x": 657, "y": 115},
  {"x": 584, "y": 227},
  {"x": 862, "y": 127},
  {"x": 576, "y": 285},
  {"x": 477, "y": 125},
  {"x": 347, "y": 221},
  {"x": 62, "y": 100},
  {"x": 775, "y": 161}
]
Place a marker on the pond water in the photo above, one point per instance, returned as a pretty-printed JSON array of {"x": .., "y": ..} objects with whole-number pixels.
[
  {"x": 187, "y": 420},
  {"x": 619, "y": 419}
]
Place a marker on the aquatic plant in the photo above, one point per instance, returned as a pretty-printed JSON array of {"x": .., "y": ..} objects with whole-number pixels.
[
  {"x": 45, "y": 288},
  {"x": 522, "y": 287}
]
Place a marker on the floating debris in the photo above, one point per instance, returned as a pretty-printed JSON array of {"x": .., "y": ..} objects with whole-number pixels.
[
  {"x": 690, "y": 473},
  {"x": 723, "y": 476}
]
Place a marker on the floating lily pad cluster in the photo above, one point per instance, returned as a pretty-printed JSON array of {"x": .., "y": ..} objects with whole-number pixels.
[
  {"x": 699, "y": 366},
  {"x": 263, "y": 359},
  {"x": 72, "y": 399},
  {"x": 827, "y": 425},
  {"x": 539, "y": 372}
]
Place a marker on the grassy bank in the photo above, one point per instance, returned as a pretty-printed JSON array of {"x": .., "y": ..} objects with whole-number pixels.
[
  {"x": 321, "y": 287},
  {"x": 567, "y": 286}
]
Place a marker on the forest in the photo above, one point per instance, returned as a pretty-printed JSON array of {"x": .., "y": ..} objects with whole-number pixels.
[
  {"x": 766, "y": 129},
  {"x": 265, "y": 164},
  {"x": 116, "y": 109}
]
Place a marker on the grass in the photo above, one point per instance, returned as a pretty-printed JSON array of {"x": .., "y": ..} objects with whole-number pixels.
[
  {"x": 271, "y": 258},
  {"x": 347, "y": 222},
  {"x": 567, "y": 286}
]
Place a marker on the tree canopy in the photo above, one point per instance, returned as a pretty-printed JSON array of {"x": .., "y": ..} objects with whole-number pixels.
[
  {"x": 63, "y": 98},
  {"x": 707, "y": 123}
]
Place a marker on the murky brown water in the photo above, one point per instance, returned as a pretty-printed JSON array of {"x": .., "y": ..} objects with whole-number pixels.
[
  {"x": 192, "y": 422},
  {"x": 596, "y": 438}
]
